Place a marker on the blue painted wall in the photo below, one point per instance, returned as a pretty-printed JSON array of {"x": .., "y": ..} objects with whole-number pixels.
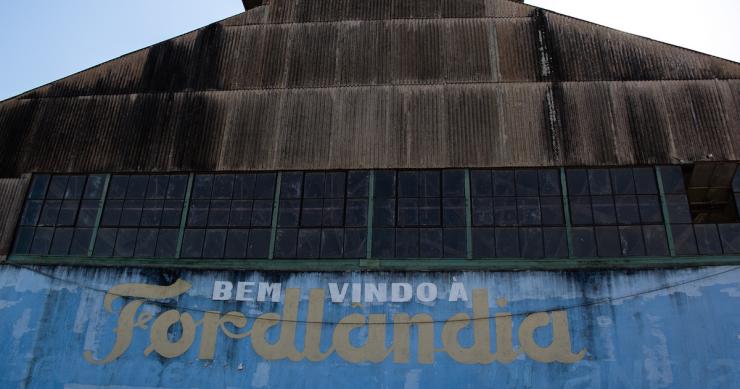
[{"x": 651, "y": 329}]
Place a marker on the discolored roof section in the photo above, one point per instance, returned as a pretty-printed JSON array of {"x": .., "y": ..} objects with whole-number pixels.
[{"x": 307, "y": 84}]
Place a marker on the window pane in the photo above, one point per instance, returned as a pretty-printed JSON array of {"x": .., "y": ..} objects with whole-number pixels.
[
  {"x": 286, "y": 242},
  {"x": 549, "y": 182},
  {"x": 88, "y": 213},
  {"x": 730, "y": 234},
  {"x": 202, "y": 186},
  {"x": 262, "y": 213},
  {"x": 623, "y": 181},
  {"x": 31, "y": 212},
  {"x": 68, "y": 213},
  {"x": 453, "y": 212},
  {"x": 483, "y": 243},
  {"x": 333, "y": 215},
  {"x": 627, "y": 209},
  {"x": 384, "y": 212},
  {"x": 50, "y": 212},
  {"x": 645, "y": 180},
  {"x": 42, "y": 241},
  {"x": 57, "y": 187},
  {"x": 223, "y": 186},
  {"x": 528, "y": 209},
  {"x": 656, "y": 242},
  {"x": 358, "y": 184},
  {"x": 384, "y": 242},
  {"x": 385, "y": 184},
  {"x": 146, "y": 243},
  {"x": 736, "y": 181},
  {"x": 259, "y": 243},
  {"x": 607, "y": 242},
  {"x": 291, "y": 185},
  {"x": 157, "y": 188},
  {"x": 408, "y": 184},
  {"x": 504, "y": 211},
  {"x": 289, "y": 213},
  {"x": 507, "y": 242},
  {"x": 678, "y": 208},
  {"x": 707, "y": 239},
  {"x": 218, "y": 215},
  {"x": 356, "y": 212},
  {"x": 264, "y": 187},
  {"x": 244, "y": 186},
  {"x": 555, "y": 242},
  {"x": 23, "y": 240},
  {"x": 236, "y": 244},
  {"x": 137, "y": 187},
  {"x": 334, "y": 185},
  {"x": 192, "y": 243},
  {"x": 481, "y": 183},
  {"x": 584, "y": 242},
  {"x": 429, "y": 212},
  {"x": 577, "y": 180},
  {"x": 213, "y": 246},
  {"x": 125, "y": 242},
  {"x": 167, "y": 243},
  {"x": 530, "y": 242},
  {"x": 117, "y": 187},
  {"x": 429, "y": 183},
  {"x": 430, "y": 243},
  {"x": 603, "y": 209},
  {"x": 552, "y": 211},
  {"x": 453, "y": 183},
  {"x": 650, "y": 211},
  {"x": 151, "y": 214},
  {"x": 599, "y": 182},
  {"x": 177, "y": 187},
  {"x": 580, "y": 210},
  {"x": 314, "y": 185},
  {"x": 527, "y": 182},
  {"x": 62, "y": 241},
  {"x": 454, "y": 243},
  {"x": 80, "y": 242},
  {"x": 504, "y": 183},
  {"x": 633, "y": 244},
  {"x": 309, "y": 243},
  {"x": 311, "y": 212},
  {"x": 672, "y": 179},
  {"x": 104, "y": 242},
  {"x": 131, "y": 213},
  {"x": 112, "y": 213},
  {"x": 94, "y": 187},
  {"x": 241, "y": 214},
  {"x": 38, "y": 186},
  {"x": 407, "y": 243},
  {"x": 75, "y": 187},
  {"x": 355, "y": 243},
  {"x": 332, "y": 242},
  {"x": 683, "y": 239},
  {"x": 172, "y": 213},
  {"x": 482, "y": 211},
  {"x": 408, "y": 212}
]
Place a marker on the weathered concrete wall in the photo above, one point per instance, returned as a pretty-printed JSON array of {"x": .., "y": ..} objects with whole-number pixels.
[{"x": 676, "y": 328}]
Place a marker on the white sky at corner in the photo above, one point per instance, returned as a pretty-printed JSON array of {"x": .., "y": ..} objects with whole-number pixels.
[{"x": 708, "y": 26}]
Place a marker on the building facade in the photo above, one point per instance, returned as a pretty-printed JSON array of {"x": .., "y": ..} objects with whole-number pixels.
[{"x": 414, "y": 194}]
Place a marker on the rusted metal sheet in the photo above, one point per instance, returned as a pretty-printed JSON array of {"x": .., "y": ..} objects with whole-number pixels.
[{"x": 12, "y": 192}]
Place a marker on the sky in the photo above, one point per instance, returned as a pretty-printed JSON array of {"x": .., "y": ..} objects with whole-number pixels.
[{"x": 44, "y": 40}]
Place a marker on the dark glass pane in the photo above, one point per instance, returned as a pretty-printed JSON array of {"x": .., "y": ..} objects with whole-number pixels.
[
  {"x": 555, "y": 242},
  {"x": 42, "y": 241},
  {"x": 707, "y": 239},
  {"x": 334, "y": 187},
  {"x": 482, "y": 211},
  {"x": 385, "y": 184},
  {"x": 289, "y": 213},
  {"x": 408, "y": 212},
  {"x": 607, "y": 242},
  {"x": 125, "y": 242},
  {"x": 117, "y": 187},
  {"x": 549, "y": 182},
  {"x": 61, "y": 242},
  {"x": 112, "y": 213},
  {"x": 94, "y": 187},
  {"x": 584, "y": 242},
  {"x": 408, "y": 184},
  {"x": 672, "y": 179},
  {"x": 407, "y": 243},
  {"x": 262, "y": 213},
  {"x": 737, "y": 203},
  {"x": 104, "y": 242},
  {"x": 528, "y": 209},
  {"x": 683, "y": 239},
  {"x": 504, "y": 183},
  {"x": 291, "y": 185},
  {"x": 50, "y": 212},
  {"x": 75, "y": 187},
  {"x": 333, "y": 213},
  {"x": 202, "y": 186},
  {"x": 80, "y": 242},
  {"x": 627, "y": 209},
  {"x": 241, "y": 214},
  {"x": 504, "y": 211},
  {"x": 244, "y": 186},
  {"x": 146, "y": 243},
  {"x": 355, "y": 240},
  {"x": 236, "y": 244},
  {"x": 599, "y": 182},
  {"x": 358, "y": 184},
  {"x": 151, "y": 214},
  {"x": 213, "y": 246},
  {"x": 430, "y": 242},
  {"x": 736, "y": 181},
  {"x": 531, "y": 243},
  {"x": 656, "y": 243},
  {"x": 309, "y": 243},
  {"x": 259, "y": 243},
  {"x": 429, "y": 183},
  {"x": 552, "y": 211},
  {"x": 157, "y": 188},
  {"x": 264, "y": 187},
  {"x": 68, "y": 213},
  {"x": 218, "y": 215},
  {"x": 481, "y": 183},
  {"x": 286, "y": 242},
  {"x": 453, "y": 212},
  {"x": 31, "y": 212},
  {"x": 38, "y": 186},
  {"x": 314, "y": 185},
  {"x": 137, "y": 187},
  {"x": 603, "y": 209},
  {"x": 384, "y": 242},
  {"x": 454, "y": 243},
  {"x": 633, "y": 244},
  {"x": 645, "y": 180},
  {"x": 172, "y": 213},
  {"x": 580, "y": 210},
  {"x": 57, "y": 187},
  {"x": 311, "y": 212},
  {"x": 223, "y": 186},
  {"x": 177, "y": 187},
  {"x": 453, "y": 183},
  {"x": 332, "y": 242},
  {"x": 577, "y": 180},
  {"x": 192, "y": 243},
  {"x": 730, "y": 234},
  {"x": 23, "y": 240},
  {"x": 527, "y": 182},
  {"x": 384, "y": 212},
  {"x": 356, "y": 212},
  {"x": 650, "y": 211},
  {"x": 483, "y": 243},
  {"x": 429, "y": 212},
  {"x": 678, "y": 209},
  {"x": 507, "y": 242},
  {"x": 131, "y": 213},
  {"x": 623, "y": 181},
  {"x": 167, "y": 243}
]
